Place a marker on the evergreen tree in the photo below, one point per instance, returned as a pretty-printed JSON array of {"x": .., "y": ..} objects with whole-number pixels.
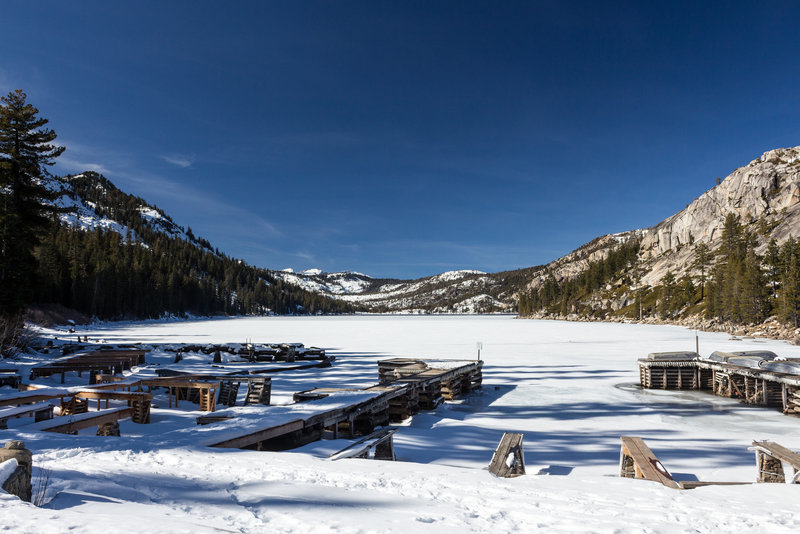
[
  {"x": 25, "y": 153},
  {"x": 702, "y": 261}
]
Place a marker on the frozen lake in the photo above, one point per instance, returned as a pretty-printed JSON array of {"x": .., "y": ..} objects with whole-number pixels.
[{"x": 571, "y": 388}]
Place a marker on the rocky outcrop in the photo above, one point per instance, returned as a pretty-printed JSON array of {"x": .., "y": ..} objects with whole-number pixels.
[{"x": 765, "y": 194}]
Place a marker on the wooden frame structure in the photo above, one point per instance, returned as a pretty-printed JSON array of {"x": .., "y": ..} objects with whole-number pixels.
[
  {"x": 394, "y": 398},
  {"x": 636, "y": 460},
  {"x": 776, "y": 463},
  {"x": 508, "y": 460},
  {"x": 101, "y": 361},
  {"x": 751, "y": 385}
]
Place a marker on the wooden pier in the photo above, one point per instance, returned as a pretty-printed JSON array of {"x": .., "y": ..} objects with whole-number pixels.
[
  {"x": 754, "y": 377},
  {"x": 101, "y": 361},
  {"x": 406, "y": 387}
]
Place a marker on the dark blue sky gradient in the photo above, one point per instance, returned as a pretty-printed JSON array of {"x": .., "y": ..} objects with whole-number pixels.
[{"x": 403, "y": 139}]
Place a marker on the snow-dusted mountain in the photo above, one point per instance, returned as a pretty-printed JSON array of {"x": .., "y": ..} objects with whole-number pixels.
[
  {"x": 463, "y": 291},
  {"x": 765, "y": 194},
  {"x": 85, "y": 201}
]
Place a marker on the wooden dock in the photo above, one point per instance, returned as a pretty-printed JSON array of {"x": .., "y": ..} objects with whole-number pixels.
[
  {"x": 746, "y": 376},
  {"x": 100, "y": 361},
  {"x": 356, "y": 412}
]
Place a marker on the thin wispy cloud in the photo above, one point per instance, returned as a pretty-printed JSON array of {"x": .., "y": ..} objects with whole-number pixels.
[
  {"x": 179, "y": 160},
  {"x": 73, "y": 165}
]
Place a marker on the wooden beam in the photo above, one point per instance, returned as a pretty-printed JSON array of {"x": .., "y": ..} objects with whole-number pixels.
[
  {"x": 646, "y": 464},
  {"x": 260, "y": 435},
  {"x": 79, "y": 422}
]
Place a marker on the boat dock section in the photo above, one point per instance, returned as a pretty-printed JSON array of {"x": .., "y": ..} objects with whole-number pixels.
[{"x": 754, "y": 377}]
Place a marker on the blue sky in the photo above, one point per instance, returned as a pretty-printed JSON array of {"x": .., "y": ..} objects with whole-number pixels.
[{"x": 402, "y": 139}]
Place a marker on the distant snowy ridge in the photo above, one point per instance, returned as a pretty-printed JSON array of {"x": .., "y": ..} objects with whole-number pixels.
[{"x": 461, "y": 291}]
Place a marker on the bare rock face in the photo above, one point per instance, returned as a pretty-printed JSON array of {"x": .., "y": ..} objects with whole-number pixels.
[
  {"x": 766, "y": 187},
  {"x": 766, "y": 192}
]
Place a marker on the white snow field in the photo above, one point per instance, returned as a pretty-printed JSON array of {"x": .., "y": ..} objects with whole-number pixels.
[{"x": 571, "y": 388}]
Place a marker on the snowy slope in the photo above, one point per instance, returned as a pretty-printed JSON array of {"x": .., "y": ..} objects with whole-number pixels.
[
  {"x": 568, "y": 387},
  {"x": 86, "y": 215}
]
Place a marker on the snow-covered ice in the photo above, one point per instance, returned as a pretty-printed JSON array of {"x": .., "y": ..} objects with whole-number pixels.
[{"x": 571, "y": 388}]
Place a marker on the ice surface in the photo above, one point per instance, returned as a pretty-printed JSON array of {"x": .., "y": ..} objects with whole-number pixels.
[{"x": 570, "y": 388}]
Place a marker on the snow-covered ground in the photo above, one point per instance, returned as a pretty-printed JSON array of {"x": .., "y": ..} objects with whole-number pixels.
[{"x": 571, "y": 388}]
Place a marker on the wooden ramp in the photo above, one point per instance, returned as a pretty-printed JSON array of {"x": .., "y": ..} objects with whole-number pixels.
[
  {"x": 638, "y": 461},
  {"x": 509, "y": 458},
  {"x": 380, "y": 443},
  {"x": 776, "y": 463}
]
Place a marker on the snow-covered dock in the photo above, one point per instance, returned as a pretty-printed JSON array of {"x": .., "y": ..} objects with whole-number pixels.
[
  {"x": 355, "y": 411},
  {"x": 754, "y": 377}
]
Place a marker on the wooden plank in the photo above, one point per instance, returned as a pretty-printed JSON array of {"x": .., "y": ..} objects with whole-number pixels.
[
  {"x": 508, "y": 459},
  {"x": 646, "y": 464},
  {"x": 691, "y": 484},
  {"x": 261, "y": 435},
  {"x": 114, "y": 395},
  {"x": 364, "y": 444},
  {"x": 16, "y": 400},
  {"x": 42, "y": 410},
  {"x": 779, "y": 451},
  {"x": 80, "y": 422}
]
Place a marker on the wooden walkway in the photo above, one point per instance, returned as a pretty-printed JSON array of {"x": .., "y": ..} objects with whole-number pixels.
[
  {"x": 353, "y": 412},
  {"x": 101, "y": 361}
]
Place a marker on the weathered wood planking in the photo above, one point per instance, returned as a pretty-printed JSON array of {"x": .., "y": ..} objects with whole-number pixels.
[
  {"x": 80, "y": 422},
  {"x": 508, "y": 459},
  {"x": 775, "y": 462},
  {"x": 253, "y": 438},
  {"x": 380, "y": 440},
  {"x": 638, "y": 461}
]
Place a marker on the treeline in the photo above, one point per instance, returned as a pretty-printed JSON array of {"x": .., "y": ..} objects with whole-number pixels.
[
  {"x": 745, "y": 287},
  {"x": 565, "y": 296},
  {"x": 148, "y": 273},
  {"x": 731, "y": 284}
]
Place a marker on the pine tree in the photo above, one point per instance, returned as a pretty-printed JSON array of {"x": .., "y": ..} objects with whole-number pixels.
[
  {"x": 702, "y": 261},
  {"x": 25, "y": 153}
]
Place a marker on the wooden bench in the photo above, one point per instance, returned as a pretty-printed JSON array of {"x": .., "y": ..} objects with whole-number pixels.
[
  {"x": 638, "y": 461},
  {"x": 775, "y": 463},
  {"x": 40, "y": 412},
  {"x": 508, "y": 459},
  {"x": 72, "y": 424},
  {"x": 380, "y": 442},
  {"x": 139, "y": 401}
]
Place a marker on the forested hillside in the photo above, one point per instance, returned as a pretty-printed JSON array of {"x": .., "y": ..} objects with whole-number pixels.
[{"x": 152, "y": 267}]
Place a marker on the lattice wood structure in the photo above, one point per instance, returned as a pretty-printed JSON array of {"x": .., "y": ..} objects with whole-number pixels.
[
  {"x": 751, "y": 385},
  {"x": 776, "y": 463}
]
